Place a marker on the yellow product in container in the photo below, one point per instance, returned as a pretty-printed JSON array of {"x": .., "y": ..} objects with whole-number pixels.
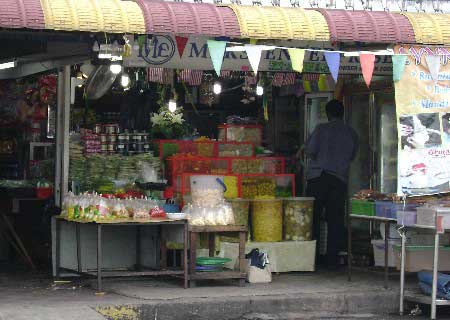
[
  {"x": 232, "y": 187},
  {"x": 267, "y": 220},
  {"x": 298, "y": 219}
]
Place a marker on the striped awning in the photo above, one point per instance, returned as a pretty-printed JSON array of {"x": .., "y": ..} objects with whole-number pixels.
[
  {"x": 112, "y": 16},
  {"x": 182, "y": 18},
  {"x": 234, "y": 21},
  {"x": 21, "y": 14},
  {"x": 368, "y": 26},
  {"x": 430, "y": 28},
  {"x": 281, "y": 23}
]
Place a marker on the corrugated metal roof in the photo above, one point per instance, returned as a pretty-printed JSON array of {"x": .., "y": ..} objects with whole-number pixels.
[
  {"x": 430, "y": 28},
  {"x": 113, "y": 16},
  {"x": 281, "y": 23},
  {"x": 21, "y": 14},
  {"x": 188, "y": 18},
  {"x": 368, "y": 26}
]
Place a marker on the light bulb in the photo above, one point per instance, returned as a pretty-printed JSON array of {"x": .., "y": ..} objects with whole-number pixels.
[
  {"x": 172, "y": 105},
  {"x": 259, "y": 90},
  {"x": 115, "y": 68},
  {"x": 217, "y": 88},
  {"x": 125, "y": 80}
]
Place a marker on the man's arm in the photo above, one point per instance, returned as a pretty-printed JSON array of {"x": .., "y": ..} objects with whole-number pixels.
[{"x": 312, "y": 144}]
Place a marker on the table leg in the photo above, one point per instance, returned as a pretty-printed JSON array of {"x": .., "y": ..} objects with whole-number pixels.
[
  {"x": 402, "y": 273},
  {"x": 386, "y": 256},
  {"x": 138, "y": 249},
  {"x": 349, "y": 249},
  {"x": 193, "y": 255},
  {"x": 185, "y": 255},
  {"x": 99, "y": 258},
  {"x": 212, "y": 244},
  {"x": 78, "y": 236},
  {"x": 163, "y": 249},
  {"x": 57, "y": 249},
  {"x": 435, "y": 274},
  {"x": 242, "y": 237}
]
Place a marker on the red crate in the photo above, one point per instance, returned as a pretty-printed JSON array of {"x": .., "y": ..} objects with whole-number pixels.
[
  {"x": 179, "y": 164},
  {"x": 241, "y": 133},
  {"x": 281, "y": 185},
  {"x": 204, "y": 148}
]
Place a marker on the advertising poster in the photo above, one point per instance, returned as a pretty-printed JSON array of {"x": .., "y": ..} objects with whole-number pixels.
[{"x": 423, "y": 117}]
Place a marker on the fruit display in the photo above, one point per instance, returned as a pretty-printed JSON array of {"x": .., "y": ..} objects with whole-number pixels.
[
  {"x": 298, "y": 219},
  {"x": 94, "y": 207},
  {"x": 267, "y": 220},
  {"x": 247, "y": 166}
]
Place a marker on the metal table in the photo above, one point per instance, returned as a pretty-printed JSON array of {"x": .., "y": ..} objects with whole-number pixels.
[
  {"x": 419, "y": 297},
  {"x": 139, "y": 270},
  {"x": 370, "y": 219}
]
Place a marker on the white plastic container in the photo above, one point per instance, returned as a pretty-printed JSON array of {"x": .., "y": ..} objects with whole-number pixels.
[
  {"x": 426, "y": 216},
  {"x": 378, "y": 252},
  {"x": 419, "y": 258},
  {"x": 206, "y": 182}
]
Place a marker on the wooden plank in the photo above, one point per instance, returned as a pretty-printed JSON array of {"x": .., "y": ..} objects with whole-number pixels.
[
  {"x": 217, "y": 228},
  {"x": 217, "y": 275},
  {"x": 106, "y": 274}
]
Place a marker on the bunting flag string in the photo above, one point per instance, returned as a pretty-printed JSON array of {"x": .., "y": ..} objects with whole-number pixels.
[
  {"x": 216, "y": 51},
  {"x": 254, "y": 56},
  {"x": 367, "y": 66},
  {"x": 181, "y": 44},
  {"x": 333, "y": 60},
  {"x": 434, "y": 64},
  {"x": 297, "y": 57},
  {"x": 398, "y": 64}
]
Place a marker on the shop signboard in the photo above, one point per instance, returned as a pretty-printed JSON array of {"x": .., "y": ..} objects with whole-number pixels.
[
  {"x": 423, "y": 120},
  {"x": 161, "y": 51}
]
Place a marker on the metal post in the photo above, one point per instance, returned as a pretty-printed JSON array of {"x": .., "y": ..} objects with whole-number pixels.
[
  {"x": 349, "y": 249},
  {"x": 435, "y": 273},
  {"x": 386, "y": 256},
  {"x": 57, "y": 248},
  {"x": 138, "y": 249},
  {"x": 62, "y": 135},
  {"x": 99, "y": 258},
  {"x": 185, "y": 255},
  {"x": 77, "y": 229},
  {"x": 402, "y": 273}
]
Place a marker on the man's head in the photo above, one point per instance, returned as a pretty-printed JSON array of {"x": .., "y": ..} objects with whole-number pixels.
[{"x": 334, "y": 109}]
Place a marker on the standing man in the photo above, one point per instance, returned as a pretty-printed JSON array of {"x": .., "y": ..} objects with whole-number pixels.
[{"x": 331, "y": 148}]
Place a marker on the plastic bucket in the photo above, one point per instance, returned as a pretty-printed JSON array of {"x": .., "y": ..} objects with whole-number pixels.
[
  {"x": 298, "y": 219},
  {"x": 267, "y": 220}
]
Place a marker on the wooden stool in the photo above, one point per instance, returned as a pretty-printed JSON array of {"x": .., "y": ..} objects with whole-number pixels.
[{"x": 194, "y": 231}]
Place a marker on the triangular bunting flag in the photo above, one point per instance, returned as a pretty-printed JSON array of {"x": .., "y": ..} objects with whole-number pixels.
[
  {"x": 434, "y": 64},
  {"x": 367, "y": 61},
  {"x": 333, "y": 60},
  {"x": 216, "y": 51},
  {"x": 254, "y": 56},
  {"x": 398, "y": 64},
  {"x": 297, "y": 57},
  {"x": 181, "y": 44}
]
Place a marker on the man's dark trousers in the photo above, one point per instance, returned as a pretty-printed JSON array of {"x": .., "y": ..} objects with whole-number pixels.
[{"x": 330, "y": 194}]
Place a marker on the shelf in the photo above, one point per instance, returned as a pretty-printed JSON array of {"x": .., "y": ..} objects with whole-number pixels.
[
  {"x": 374, "y": 218},
  {"x": 217, "y": 275},
  {"x": 423, "y": 299}
]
